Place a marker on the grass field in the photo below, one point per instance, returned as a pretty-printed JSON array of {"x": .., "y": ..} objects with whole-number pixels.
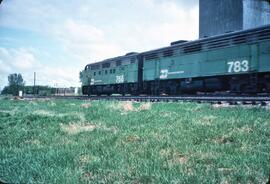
[{"x": 70, "y": 141}]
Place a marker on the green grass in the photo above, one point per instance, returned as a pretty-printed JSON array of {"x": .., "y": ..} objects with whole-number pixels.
[{"x": 70, "y": 141}]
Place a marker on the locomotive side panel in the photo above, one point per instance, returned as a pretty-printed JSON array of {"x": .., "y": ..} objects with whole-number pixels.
[
  {"x": 227, "y": 61},
  {"x": 125, "y": 72},
  {"x": 111, "y": 76},
  {"x": 150, "y": 69},
  {"x": 264, "y": 57}
]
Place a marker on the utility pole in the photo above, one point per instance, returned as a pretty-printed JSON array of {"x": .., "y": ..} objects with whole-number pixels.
[{"x": 34, "y": 88}]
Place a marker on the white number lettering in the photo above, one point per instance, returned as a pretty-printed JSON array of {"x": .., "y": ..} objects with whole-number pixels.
[
  {"x": 119, "y": 79},
  {"x": 238, "y": 66},
  {"x": 230, "y": 66},
  {"x": 245, "y": 66}
]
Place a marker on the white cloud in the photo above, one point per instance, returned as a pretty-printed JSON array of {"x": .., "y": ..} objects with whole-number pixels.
[
  {"x": 169, "y": 22},
  {"x": 92, "y": 31},
  {"x": 24, "y": 61},
  {"x": 4, "y": 69},
  {"x": 85, "y": 41},
  {"x": 155, "y": 25},
  {"x": 19, "y": 59},
  {"x": 110, "y": 27}
]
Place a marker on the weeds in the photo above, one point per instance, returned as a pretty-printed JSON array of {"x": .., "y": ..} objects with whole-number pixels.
[{"x": 67, "y": 141}]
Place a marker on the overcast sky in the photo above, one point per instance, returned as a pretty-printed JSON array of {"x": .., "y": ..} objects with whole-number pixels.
[{"x": 57, "y": 38}]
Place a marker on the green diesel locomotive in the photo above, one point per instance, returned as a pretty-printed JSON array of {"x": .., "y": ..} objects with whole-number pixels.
[{"x": 237, "y": 62}]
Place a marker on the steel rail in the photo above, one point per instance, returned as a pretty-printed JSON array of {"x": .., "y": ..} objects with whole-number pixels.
[{"x": 191, "y": 98}]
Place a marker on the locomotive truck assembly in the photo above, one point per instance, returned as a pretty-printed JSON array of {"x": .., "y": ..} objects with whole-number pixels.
[{"x": 237, "y": 62}]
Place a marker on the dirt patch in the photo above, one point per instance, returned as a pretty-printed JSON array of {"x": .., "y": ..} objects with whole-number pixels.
[
  {"x": 227, "y": 105},
  {"x": 52, "y": 104},
  {"x": 84, "y": 159},
  {"x": 10, "y": 112},
  {"x": 87, "y": 176},
  {"x": 181, "y": 159},
  {"x": 267, "y": 107},
  {"x": 244, "y": 129},
  {"x": 197, "y": 108},
  {"x": 17, "y": 98},
  {"x": 208, "y": 120},
  {"x": 81, "y": 116},
  {"x": 145, "y": 107},
  {"x": 127, "y": 106},
  {"x": 122, "y": 106},
  {"x": 33, "y": 103},
  {"x": 224, "y": 140},
  {"x": 113, "y": 130},
  {"x": 74, "y": 129},
  {"x": 67, "y": 141},
  {"x": 44, "y": 113},
  {"x": 47, "y": 113},
  {"x": 168, "y": 114},
  {"x": 177, "y": 160},
  {"x": 165, "y": 152},
  {"x": 225, "y": 180},
  {"x": 86, "y": 105},
  {"x": 226, "y": 170},
  {"x": 174, "y": 157},
  {"x": 205, "y": 155},
  {"x": 224, "y": 105},
  {"x": 133, "y": 139},
  {"x": 42, "y": 99},
  {"x": 33, "y": 142}
]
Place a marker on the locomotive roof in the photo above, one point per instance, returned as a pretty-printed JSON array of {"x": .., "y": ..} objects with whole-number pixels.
[
  {"x": 127, "y": 56},
  {"x": 219, "y": 41}
]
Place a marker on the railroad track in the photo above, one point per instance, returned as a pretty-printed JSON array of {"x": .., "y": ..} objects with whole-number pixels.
[{"x": 231, "y": 99}]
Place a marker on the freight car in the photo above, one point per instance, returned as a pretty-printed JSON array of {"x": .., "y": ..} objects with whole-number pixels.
[{"x": 237, "y": 62}]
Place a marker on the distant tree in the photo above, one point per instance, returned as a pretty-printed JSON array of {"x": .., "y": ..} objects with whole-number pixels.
[
  {"x": 6, "y": 90},
  {"x": 15, "y": 79},
  {"x": 81, "y": 76},
  {"x": 15, "y": 84}
]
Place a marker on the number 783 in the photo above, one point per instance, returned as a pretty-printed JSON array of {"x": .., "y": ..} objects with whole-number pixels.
[{"x": 238, "y": 66}]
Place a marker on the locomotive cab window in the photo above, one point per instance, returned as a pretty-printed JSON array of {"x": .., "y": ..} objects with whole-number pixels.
[
  {"x": 132, "y": 60},
  {"x": 87, "y": 67},
  {"x": 168, "y": 53},
  {"x": 94, "y": 73},
  {"x": 126, "y": 62},
  {"x": 106, "y": 65},
  {"x": 94, "y": 67},
  {"x": 106, "y": 72},
  {"x": 118, "y": 63},
  {"x": 99, "y": 73}
]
